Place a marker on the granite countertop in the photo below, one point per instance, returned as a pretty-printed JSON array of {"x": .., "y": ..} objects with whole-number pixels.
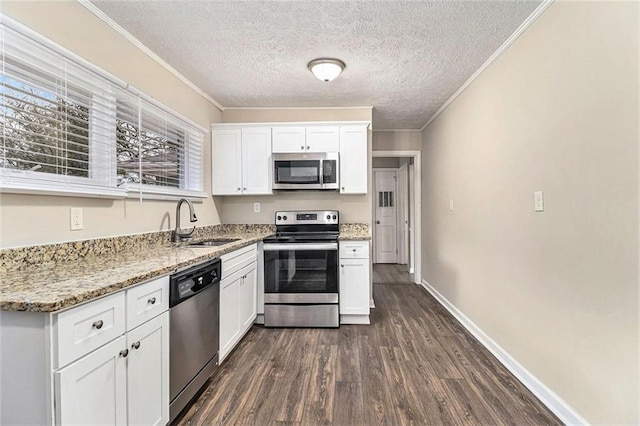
[{"x": 55, "y": 277}]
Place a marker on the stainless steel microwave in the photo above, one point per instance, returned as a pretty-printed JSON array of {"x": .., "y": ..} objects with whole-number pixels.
[{"x": 306, "y": 171}]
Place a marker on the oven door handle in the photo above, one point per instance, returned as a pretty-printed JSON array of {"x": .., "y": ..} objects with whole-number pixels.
[{"x": 300, "y": 246}]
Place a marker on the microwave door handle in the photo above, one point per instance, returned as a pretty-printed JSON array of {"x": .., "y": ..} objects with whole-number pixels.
[{"x": 321, "y": 172}]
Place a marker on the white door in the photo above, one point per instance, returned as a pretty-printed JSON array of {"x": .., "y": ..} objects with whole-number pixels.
[
  {"x": 226, "y": 159},
  {"x": 323, "y": 139},
  {"x": 288, "y": 139},
  {"x": 93, "y": 390},
  {"x": 403, "y": 213},
  {"x": 148, "y": 372},
  {"x": 385, "y": 226},
  {"x": 256, "y": 160}
]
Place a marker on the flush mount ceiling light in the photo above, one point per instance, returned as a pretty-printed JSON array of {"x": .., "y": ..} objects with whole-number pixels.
[{"x": 326, "y": 69}]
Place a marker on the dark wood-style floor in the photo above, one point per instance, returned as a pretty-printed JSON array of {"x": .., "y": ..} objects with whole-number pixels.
[{"x": 414, "y": 364}]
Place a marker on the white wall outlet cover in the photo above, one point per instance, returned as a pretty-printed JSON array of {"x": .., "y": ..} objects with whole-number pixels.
[
  {"x": 538, "y": 201},
  {"x": 76, "y": 218},
  {"x": 256, "y": 207}
]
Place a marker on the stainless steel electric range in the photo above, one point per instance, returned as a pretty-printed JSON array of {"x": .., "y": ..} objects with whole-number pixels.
[{"x": 301, "y": 270}]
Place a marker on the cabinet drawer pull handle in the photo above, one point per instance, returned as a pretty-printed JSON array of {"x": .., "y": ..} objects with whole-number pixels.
[
  {"x": 152, "y": 300},
  {"x": 136, "y": 345},
  {"x": 98, "y": 324},
  {"x": 124, "y": 353}
]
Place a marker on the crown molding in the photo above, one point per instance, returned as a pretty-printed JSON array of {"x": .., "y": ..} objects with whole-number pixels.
[
  {"x": 127, "y": 35},
  {"x": 517, "y": 33},
  {"x": 301, "y": 108}
]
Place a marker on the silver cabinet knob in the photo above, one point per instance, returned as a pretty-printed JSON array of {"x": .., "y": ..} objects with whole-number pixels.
[
  {"x": 136, "y": 345},
  {"x": 378, "y": 222},
  {"x": 152, "y": 300},
  {"x": 342, "y": 265},
  {"x": 302, "y": 147},
  {"x": 238, "y": 188},
  {"x": 343, "y": 188},
  {"x": 307, "y": 148},
  {"x": 124, "y": 353},
  {"x": 98, "y": 324},
  {"x": 354, "y": 250},
  {"x": 244, "y": 189}
]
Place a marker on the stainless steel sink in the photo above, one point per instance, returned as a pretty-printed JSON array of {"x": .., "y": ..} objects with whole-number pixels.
[{"x": 213, "y": 242}]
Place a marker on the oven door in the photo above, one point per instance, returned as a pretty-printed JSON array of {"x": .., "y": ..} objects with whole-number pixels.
[{"x": 301, "y": 272}]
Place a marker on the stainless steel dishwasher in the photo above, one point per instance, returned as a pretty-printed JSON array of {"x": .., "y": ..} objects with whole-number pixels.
[{"x": 194, "y": 302}]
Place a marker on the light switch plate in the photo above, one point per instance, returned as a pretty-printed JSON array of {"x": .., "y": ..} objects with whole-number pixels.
[
  {"x": 76, "y": 218},
  {"x": 256, "y": 207},
  {"x": 538, "y": 201}
]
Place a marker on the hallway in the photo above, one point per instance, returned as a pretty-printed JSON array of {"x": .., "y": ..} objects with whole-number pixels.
[{"x": 413, "y": 364}]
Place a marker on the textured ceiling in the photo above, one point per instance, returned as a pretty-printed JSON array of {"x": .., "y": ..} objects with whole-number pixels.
[{"x": 403, "y": 58}]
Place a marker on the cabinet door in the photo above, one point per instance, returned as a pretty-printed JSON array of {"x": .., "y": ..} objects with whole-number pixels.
[
  {"x": 148, "y": 372},
  {"x": 256, "y": 160},
  {"x": 247, "y": 300},
  {"x": 226, "y": 159},
  {"x": 288, "y": 139},
  {"x": 354, "y": 286},
  {"x": 323, "y": 139},
  {"x": 353, "y": 160},
  {"x": 93, "y": 390},
  {"x": 229, "y": 325}
]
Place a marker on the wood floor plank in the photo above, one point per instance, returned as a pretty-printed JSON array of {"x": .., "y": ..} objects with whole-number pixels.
[
  {"x": 349, "y": 406},
  {"x": 415, "y": 364},
  {"x": 319, "y": 401}
]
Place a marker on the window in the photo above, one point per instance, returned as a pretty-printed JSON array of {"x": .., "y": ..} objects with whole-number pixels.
[{"x": 68, "y": 127}]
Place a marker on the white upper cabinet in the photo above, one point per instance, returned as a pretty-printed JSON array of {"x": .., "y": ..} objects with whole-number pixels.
[
  {"x": 323, "y": 139},
  {"x": 314, "y": 139},
  {"x": 353, "y": 160},
  {"x": 241, "y": 161},
  {"x": 289, "y": 139},
  {"x": 256, "y": 160}
]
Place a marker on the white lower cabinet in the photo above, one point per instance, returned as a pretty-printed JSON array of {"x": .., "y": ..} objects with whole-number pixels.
[
  {"x": 355, "y": 282},
  {"x": 238, "y": 292},
  {"x": 92, "y": 389},
  {"x": 148, "y": 373},
  {"x": 123, "y": 382}
]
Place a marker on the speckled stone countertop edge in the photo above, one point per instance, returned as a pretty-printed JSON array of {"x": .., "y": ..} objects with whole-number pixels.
[{"x": 66, "y": 284}]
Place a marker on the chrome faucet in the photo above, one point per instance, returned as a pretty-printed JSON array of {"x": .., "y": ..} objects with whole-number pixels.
[{"x": 178, "y": 234}]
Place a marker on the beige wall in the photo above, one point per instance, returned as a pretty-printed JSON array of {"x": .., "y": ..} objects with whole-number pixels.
[
  {"x": 353, "y": 208},
  {"x": 36, "y": 219},
  {"x": 558, "y": 290},
  {"x": 397, "y": 140},
  {"x": 386, "y": 162}
]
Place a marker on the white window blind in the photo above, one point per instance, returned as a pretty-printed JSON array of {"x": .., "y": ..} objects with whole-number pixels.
[
  {"x": 156, "y": 152},
  {"x": 69, "y": 128},
  {"x": 56, "y": 121}
]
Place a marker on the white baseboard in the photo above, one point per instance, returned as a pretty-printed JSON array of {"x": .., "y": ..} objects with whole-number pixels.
[
  {"x": 372, "y": 304},
  {"x": 549, "y": 398}
]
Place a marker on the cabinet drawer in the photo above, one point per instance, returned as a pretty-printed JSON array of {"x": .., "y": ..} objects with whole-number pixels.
[
  {"x": 146, "y": 301},
  {"x": 234, "y": 261},
  {"x": 354, "y": 249},
  {"x": 85, "y": 328}
]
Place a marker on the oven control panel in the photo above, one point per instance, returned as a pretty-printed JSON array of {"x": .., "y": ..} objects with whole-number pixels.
[{"x": 310, "y": 217}]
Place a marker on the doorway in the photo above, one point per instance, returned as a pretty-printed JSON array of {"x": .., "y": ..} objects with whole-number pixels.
[{"x": 396, "y": 205}]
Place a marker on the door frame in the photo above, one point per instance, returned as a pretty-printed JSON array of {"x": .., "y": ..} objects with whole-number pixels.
[
  {"x": 415, "y": 231},
  {"x": 402, "y": 185},
  {"x": 374, "y": 195}
]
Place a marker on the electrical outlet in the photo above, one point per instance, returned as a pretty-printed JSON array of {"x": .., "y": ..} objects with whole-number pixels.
[
  {"x": 76, "y": 219},
  {"x": 538, "y": 201},
  {"x": 450, "y": 205},
  {"x": 256, "y": 207}
]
